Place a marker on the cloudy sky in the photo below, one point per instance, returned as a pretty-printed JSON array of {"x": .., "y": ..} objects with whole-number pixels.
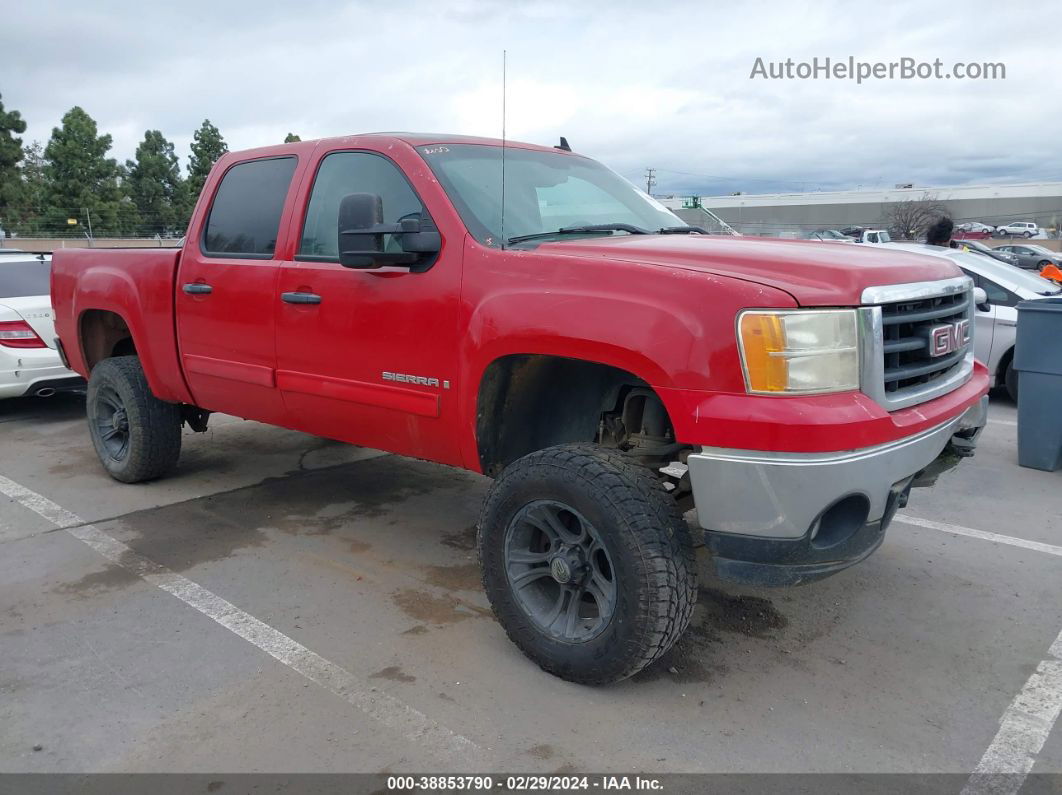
[{"x": 634, "y": 84}]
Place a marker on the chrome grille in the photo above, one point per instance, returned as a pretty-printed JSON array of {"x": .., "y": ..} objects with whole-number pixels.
[
  {"x": 898, "y": 369},
  {"x": 905, "y": 332}
]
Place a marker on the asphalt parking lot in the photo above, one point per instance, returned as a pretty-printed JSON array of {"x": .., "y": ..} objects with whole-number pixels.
[{"x": 288, "y": 603}]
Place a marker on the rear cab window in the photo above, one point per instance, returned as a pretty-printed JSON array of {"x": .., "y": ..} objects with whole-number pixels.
[{"x": 244, "y": 219}]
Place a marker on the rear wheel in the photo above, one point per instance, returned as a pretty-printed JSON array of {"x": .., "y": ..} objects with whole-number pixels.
[
  {"x": 587, "y": 562},
  {"x": 137, "y": 436}
]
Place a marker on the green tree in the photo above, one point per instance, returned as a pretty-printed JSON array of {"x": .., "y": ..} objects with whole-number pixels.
[
  {"x": 11, "y": 124},
  {"x": 155, "y": 186},
  {"x": 33, "y": 195},
  {"x": 83, "y": 183},
  {"x": 291, "y": 138},
  {"x": 207, "y": 147}
]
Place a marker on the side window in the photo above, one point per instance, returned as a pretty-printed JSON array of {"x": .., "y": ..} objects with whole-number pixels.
[
  {"x": 245, "y": 216},
  {"x": 342, "y": 173},
  {"x": 997, "y": 295}
]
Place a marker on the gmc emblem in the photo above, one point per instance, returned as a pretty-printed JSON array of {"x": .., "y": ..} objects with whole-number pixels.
[{"x": 948, "y": 338}]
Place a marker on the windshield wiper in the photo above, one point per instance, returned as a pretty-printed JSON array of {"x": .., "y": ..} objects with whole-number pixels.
[
  {"x": 576, "y": 230},
  {"x": 682, "y": 230}
]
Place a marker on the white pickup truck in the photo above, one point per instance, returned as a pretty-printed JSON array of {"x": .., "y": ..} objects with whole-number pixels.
[{"x": 868, "y": 235}]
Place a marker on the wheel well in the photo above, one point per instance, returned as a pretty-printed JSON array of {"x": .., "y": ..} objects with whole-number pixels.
[
  {"x": 528, "y": 402},
  {"x": 104, "y": 334}
]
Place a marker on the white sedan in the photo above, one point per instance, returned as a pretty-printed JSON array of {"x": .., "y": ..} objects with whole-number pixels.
[{"x": 29, "y": 362}]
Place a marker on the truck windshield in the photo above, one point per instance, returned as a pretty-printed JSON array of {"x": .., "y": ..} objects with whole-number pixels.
[{"x": 545, "y": 192}]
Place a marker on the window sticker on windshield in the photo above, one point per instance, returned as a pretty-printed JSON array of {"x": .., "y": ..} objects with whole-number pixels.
[{"x": 436, "y": 150}]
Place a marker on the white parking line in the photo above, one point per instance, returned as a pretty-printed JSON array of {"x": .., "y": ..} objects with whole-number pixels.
[
  {"x": 1012, "y": 423},
  {"x": 441, "y": 742},
  {"x": 1028, "y": 721},
  {"x": 958, "y": 530},
  {"x": 1023, "y": 730}
]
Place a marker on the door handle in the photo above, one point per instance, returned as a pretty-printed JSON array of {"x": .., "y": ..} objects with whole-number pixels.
[
  {"x": 300, "y": 298},
  {"x": 198, "y": 288}
]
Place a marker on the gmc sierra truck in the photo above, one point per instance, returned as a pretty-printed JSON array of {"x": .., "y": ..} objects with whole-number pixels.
[{"x": 523, "y": 312}]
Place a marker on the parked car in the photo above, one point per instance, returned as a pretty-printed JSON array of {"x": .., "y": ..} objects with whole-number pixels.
[
  {"x": 1031, "y": 256},
  {"x": 995, "y": 322},
  {"x": 860, "y": 235},
  {"x": 606, "y": 364},
  {"x": 29, "y": 361},
  {"x": 977, "y": 247},
  {"x": 830, "y": 235},
  {"x": 973, "y": 230},
  {"x": 1018, "y": 229}
]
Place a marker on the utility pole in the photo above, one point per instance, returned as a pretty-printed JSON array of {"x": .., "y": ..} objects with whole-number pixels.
[
  {"x": 88, "y": 217},
  {"x": 650, "y": 180}
]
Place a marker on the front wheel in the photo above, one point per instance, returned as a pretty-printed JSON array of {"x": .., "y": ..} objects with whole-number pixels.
[
  {"x": 1010, "y": 380},
  {"x": 587, "y": 562},
  {"x": 137, "y": 436}
]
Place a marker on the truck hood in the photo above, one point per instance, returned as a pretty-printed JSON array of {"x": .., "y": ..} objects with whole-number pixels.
[{"x": 813, "y": 272}]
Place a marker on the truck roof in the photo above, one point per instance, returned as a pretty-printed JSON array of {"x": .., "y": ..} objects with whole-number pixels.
[{"x": 377, "y": 139}]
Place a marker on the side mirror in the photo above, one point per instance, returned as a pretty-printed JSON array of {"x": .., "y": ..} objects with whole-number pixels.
[
  {"x": 361, "y": 235},
  {"x": 981, "y": 299}
]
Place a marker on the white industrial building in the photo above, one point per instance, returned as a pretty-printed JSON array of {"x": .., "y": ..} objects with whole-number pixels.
[{"x": 795, "y": 214}]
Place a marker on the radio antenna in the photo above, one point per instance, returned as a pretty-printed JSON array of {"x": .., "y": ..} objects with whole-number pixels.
[{"x": 503, "y": 238}]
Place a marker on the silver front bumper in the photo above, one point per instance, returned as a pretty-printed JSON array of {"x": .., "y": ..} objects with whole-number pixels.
[{"x": 780, "y": 495}]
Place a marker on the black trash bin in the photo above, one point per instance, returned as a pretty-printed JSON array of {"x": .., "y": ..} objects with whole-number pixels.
[{"x": 1038, "y": 359}]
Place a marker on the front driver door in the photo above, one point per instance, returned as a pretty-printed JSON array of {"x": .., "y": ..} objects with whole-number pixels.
[
  {"x": 369, "y": 356},
  {"x": 984, "y": 321}
]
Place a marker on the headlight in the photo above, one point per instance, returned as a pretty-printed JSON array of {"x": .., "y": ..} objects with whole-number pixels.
[{"x": 799, "y": 351}]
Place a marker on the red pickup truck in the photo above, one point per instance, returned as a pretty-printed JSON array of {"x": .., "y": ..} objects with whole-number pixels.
[{"x": 523, "y": 312}]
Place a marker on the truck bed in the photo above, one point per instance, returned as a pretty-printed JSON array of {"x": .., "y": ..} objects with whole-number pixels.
[{"x": 137, "y": 285}]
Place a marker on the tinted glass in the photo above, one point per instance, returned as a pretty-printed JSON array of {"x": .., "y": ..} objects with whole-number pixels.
[
  {"x": 20, "y": 279},
  {"x": 245, "y": 216},
  {"x": 342, "y": 173}
]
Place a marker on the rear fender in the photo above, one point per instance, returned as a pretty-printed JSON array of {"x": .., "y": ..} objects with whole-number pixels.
[{"x": 147, "y": 310}]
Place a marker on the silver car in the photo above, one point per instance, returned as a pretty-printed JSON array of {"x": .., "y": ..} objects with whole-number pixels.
[
  {"x": 995, "y": 324},
  {"x": 1032, "y": 256}
]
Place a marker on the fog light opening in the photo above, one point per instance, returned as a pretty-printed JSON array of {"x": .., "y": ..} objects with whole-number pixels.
[{"x": 840, "y": 521}]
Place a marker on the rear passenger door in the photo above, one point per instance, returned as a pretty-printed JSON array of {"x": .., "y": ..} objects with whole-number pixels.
[{"x": 226, "y": 293}]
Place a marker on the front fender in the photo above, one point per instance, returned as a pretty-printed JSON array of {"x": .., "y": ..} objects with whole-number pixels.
[{"x": 670, "y": 327}]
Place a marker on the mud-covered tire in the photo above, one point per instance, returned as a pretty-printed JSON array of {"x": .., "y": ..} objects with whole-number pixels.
[
  {"x": 649, "y": 549},
  {"x": 137, "y": 436}
]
